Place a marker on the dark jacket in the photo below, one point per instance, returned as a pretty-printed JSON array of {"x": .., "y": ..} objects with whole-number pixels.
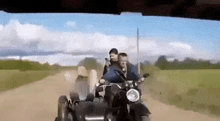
[
  {"x": 112, "y": 63},
  {"x": 132, "y": 73}
]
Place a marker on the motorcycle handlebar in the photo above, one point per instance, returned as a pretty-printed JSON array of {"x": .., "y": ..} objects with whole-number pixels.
[{"x": 110, "y": 84}]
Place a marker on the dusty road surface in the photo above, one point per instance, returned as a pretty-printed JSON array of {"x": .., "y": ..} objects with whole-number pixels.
[
  {"x": 163, "y": 112},
  {"x": 38, "y": 102}
]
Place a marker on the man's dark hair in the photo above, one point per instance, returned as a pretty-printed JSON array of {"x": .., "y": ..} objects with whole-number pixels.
[
  {"x": 113, "y": 50},
  {"x": 122, "y": 54}
]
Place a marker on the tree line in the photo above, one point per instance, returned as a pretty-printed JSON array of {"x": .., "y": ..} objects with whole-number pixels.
[
  {"x": 26, "y": 65},
  {"x": 187, "y": 63},
  {"x": 90, "y": 63}
]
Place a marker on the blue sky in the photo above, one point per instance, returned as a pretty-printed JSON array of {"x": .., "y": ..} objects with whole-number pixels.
[{"x": 201, "y": 35}]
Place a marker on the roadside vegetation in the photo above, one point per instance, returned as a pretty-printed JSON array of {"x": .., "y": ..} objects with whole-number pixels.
[
  {"x": 190, "y": 84},
  {"x": 11, "y": 79},
  {"x": 15, "y": 73},
  {"x": 90, "y": 63}
]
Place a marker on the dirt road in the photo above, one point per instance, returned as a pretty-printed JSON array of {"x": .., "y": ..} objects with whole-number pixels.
[{"x": 38, "y": 102}]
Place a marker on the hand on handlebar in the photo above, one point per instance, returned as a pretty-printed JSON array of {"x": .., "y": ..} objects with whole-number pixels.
[{"x": 102, "y": 81}]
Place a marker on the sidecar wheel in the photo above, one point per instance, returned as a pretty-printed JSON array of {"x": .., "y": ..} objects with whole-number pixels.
[{"x": 63, "y": 108}]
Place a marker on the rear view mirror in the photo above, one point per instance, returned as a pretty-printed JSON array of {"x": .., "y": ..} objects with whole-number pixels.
[
  {"x": 146, "y": 75},
  {"x": 99, "y": 89}
]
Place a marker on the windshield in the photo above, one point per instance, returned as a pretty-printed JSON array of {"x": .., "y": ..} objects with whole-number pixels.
[{"x": 181, "y": 55}]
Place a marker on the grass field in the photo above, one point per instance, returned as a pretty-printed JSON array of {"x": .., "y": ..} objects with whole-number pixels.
[
  {"x": 197, "y": 90},
  {"x": 10, "y": 79}
]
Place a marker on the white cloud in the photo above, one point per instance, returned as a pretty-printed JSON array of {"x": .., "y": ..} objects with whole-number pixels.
[
  {"x": 1, "y": 27},
  {"x": 11, "y": 57},
  {"x": 15, "y": 34},
  {"x": 71, "y": 23},
  {"x": 180, "y": 45},
  {"x": 35, "y": 37},
  {"x": 179, "y": 50},
  {"x": 170, "y": 59},
  {"x": 62, "y": 59}
]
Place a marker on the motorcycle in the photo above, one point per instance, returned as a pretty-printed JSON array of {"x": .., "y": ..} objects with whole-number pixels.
[
  {"x": 125, "y": 97},
  {"x": 124, "y": 104}
]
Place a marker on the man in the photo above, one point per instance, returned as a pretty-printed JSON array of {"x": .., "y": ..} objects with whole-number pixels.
[
  {"x": 130, "y": 71},
  {"x": 113, "y": 53},
  {"x": 125, "y": 67}
]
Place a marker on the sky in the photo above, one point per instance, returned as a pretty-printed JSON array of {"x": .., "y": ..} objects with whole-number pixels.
[{"x": 66, "y": 38}]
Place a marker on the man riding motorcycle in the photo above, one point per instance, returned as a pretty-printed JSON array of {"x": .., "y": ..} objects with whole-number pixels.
[
  {"x": 128, "y": 69},
  {"x": 130, "y": 72}
]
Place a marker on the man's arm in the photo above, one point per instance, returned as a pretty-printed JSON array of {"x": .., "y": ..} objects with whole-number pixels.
[
  {"x": 134, "y": 70},
  {"x": 105, "y": 70},
  {"x": 111, "y": 76}
]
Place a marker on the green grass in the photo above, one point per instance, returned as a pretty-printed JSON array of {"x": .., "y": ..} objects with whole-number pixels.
[
  {"x": 4, "y": 74},
  {"x": 10, "y": 79},
  {"x": 197, "y": 90},
  {"x": 204, "y": 78}
]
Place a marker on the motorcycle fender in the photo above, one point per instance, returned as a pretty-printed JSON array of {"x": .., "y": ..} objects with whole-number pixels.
[{"x": 140, "y": 109}]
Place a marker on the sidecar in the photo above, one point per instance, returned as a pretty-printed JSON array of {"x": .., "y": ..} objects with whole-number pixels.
[
  {"x": 95, "y": 108},
  {"x": 90, "y": 109}
]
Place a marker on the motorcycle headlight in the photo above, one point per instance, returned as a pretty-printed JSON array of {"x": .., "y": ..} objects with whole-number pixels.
[{"x": 133, "y": 95}]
